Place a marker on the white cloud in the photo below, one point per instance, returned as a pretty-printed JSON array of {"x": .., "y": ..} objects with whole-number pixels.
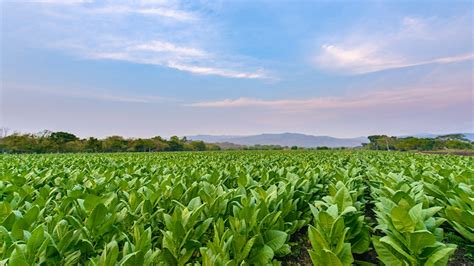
[
  {"x": 414, "y": 42},
  {"x": 218, "y": 71},
  {"x": 162, "y": 33},
  {"x": 182, "y": 58},
  {"x": 366, "y": 59},
  {"x": 160, "y": 46},
  {"x": 60, "y": 2},
  {"x": 166, "y": 12},
  {"x": 421, "y": 97}
]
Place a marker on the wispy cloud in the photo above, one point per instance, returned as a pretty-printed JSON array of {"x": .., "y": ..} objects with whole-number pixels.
[
  {"x": 187, "y": 59},
  {"x": 162, "y": 33},
  {"x": 149, "y": 11},
  {"x": 424, "y": 96},
  {"x": 60, "y": 2},
  {"x": 413, "y": 42},
  {"x": 259, "y": 74},
  {"x": 365, "y": 59},
  {"x": 89, "y": 94},
  {"x": 160, "y": 47}
]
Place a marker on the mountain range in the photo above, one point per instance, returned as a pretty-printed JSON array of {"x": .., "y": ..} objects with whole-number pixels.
[
  {"x": 284, "y": 139},
  {"x": 296, "y": 139}
]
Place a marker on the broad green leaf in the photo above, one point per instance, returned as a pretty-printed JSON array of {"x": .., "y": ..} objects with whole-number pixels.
[
  {"x": 401, "y": 219},
  {"x": 441, "y": 256},
  {"x": 110, "y": 254},
  {"x": 316, "y": 238},
  {"x": 343, "y": 198},
  {"x": 325, "y": 221},
  {"x": 275, "y": 239},
  {"x": 35, "y": 240},
  {"x": 385, "y": 254},
  {"x": 262, "y": 256},
  {"x": 17, "y": 258},
  {"x": 97, "y": 216},
  {"x": 345, "y": 256},
  {"x": 247, "y": 248},
  {"x": 389, "y": 241},
  {"x": 420, "y": 239},
  {"x": 31, "y": 215}
]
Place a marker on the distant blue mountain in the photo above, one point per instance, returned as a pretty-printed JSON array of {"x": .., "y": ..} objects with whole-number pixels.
[
  {"x": 300, "y": 140},
  {"x": 284, "y": 139}
]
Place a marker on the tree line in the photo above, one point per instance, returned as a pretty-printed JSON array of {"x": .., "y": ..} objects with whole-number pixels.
[
  {"x": 451, "y": 141},
  {"x": 54, "y": 142},
  {"x": 63, "y": 142}
]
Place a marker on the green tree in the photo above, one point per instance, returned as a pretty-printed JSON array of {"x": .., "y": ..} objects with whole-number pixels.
[
  {"x": 62, "y": 137},
  {"x": 115, "y": 144},
  {"x": 160, "y": 144},
  {"x": 459, "y": 137},
  {"x": 198, "y": 145},
  {"x": 141, "y": 145},
  {"x": 382, "y": 142},
  {"x": 93, "y": 145},
  {"x": 175, "y": 144}
]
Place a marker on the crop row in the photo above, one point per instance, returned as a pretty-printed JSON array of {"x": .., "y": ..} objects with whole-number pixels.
[{"x": 233, "y": 208}]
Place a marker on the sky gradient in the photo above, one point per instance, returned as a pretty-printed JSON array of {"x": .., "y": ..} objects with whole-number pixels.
[{"x": 157, "y": 67}]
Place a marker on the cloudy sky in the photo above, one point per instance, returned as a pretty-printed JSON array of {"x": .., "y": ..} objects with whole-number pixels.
[{"x": 158, "y": 67}]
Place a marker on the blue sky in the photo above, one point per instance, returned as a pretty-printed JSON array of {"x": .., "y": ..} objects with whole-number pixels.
[{"x": 158, "y": 67}]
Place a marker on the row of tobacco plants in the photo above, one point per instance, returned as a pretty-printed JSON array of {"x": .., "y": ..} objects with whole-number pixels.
[{"x": 233, "y": 208}]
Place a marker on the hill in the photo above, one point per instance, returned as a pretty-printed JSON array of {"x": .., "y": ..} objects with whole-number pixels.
[{"x": 284, "y": 139}]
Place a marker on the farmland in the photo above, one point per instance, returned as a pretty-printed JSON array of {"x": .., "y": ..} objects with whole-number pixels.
[{"x": 236, "y": 208}]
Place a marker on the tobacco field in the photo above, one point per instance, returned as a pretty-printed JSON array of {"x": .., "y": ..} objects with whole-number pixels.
[{"x": 236, "y": 208}]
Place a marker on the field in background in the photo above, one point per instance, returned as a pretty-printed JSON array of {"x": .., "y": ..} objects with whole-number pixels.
[{"x": 240, "y": 207}]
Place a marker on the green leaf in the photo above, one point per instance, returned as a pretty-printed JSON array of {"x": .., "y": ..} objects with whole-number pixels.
[
  {"x": 275, "y": 239},
  {"x": 328, "y": 258},
  {"x": 416, "y": 214},
  {"x": 30, "y": 217},
  {"x": 361, "y": 242},
  {"x": 325, "y": 221},
  {"x": 73, "y": 258},
  {"x": 389, "y": 241},
  {"x": 131, "y": 259},
  {"x": 262, "y": 256},
  {"x": 202, "y": 228},
  {"x": 345, "y": 255},
  {"x": 463, "y": 231},
  {"x": 109, "y": 255},
  {"x": 441, "y": 256},
  {"x": 246, "y": 250},
  {"x": 5, "y": 210},
  {"x": 17, "y": 258},
  {"x": 427, "y": 213},
  {"x": 35, "y": 240},
  {"x": 283, "y": 251},
  {"x": 91, "y": 201},
  {"x": 97, "y": 216},
  {"x": 337, "y": 235},
  {"x": 385, "y": 254},
  {"x": 419, "y": 240},
  {"x": 343, "y": 198},
  {"x": 401, "y": 218},
  {"x": 17, "y": 229},
  {"x": 316, "y": 238}
]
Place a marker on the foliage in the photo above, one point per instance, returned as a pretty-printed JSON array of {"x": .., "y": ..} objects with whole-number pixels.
[
  {"x": 55, "y": 142},
  {"x": 230, "y": 208},
  {"x": 452, "y": 141}
]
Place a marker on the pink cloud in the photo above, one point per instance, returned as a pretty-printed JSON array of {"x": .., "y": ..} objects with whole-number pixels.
[{"x": 423, "y": 96}]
